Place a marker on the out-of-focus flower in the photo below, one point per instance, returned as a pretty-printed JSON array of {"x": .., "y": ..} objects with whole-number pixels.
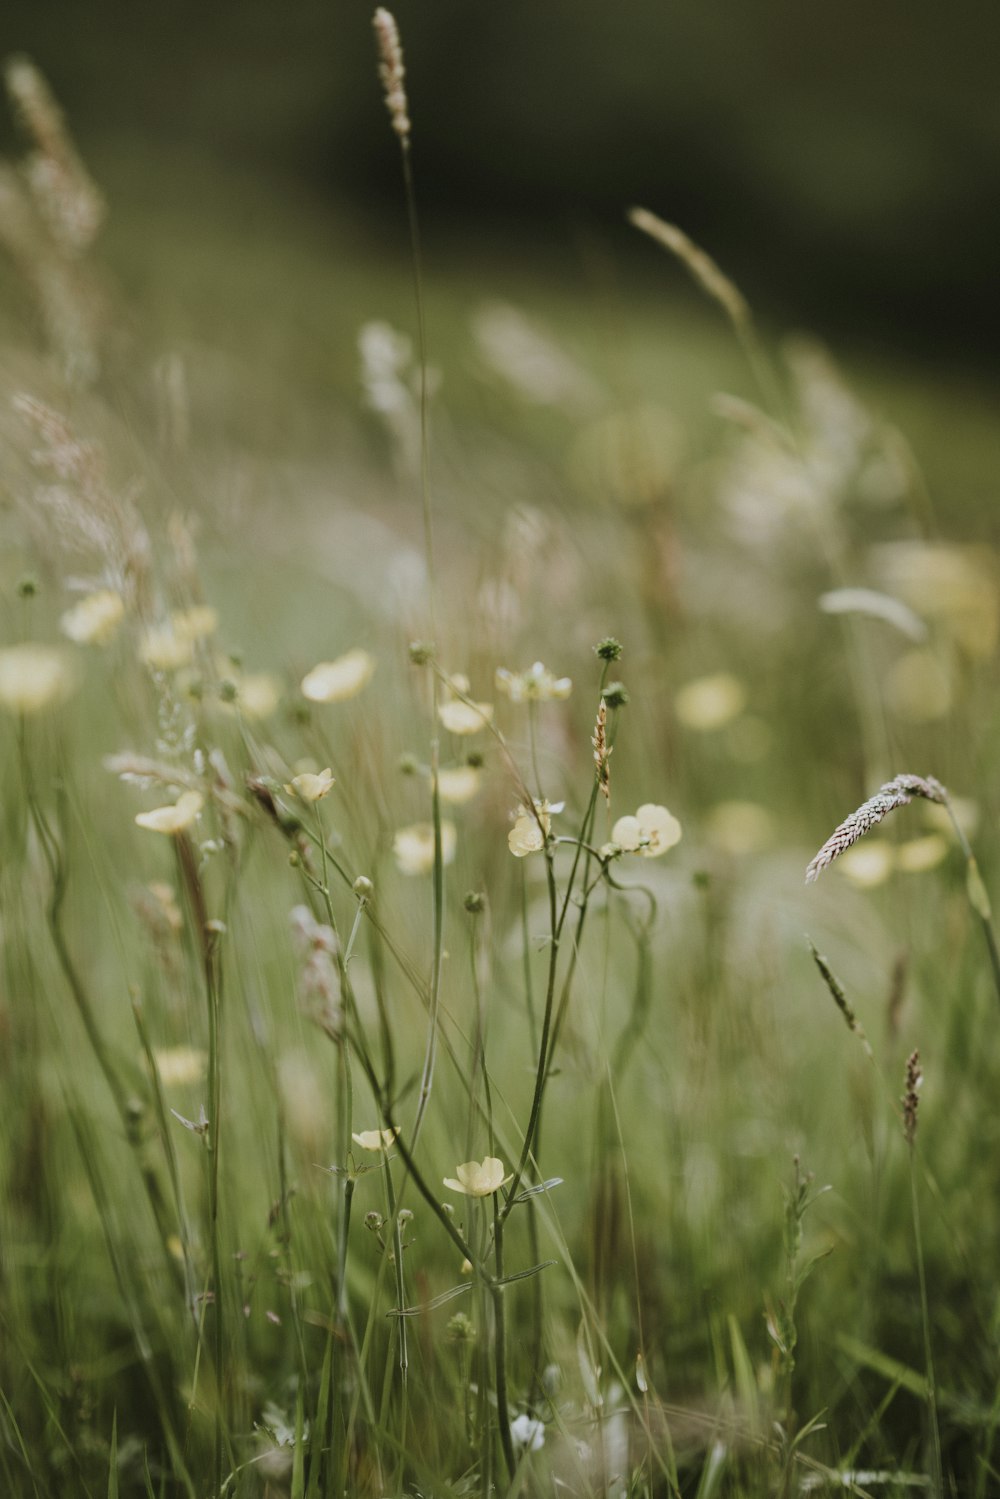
[
  {"x": 740, "y": 827},
  {"x": 258, "y": 694},
  {"x": 375, "y": 1139},
  {"x": 414, "y": 847},
  {"x": 953, "y": 584},
  {"x": 867, "y": 864},
  {"x": 463, "y": 718},
  {"x": 531, "y": 829},
  {"x": 164, "y": 650},
  {"x": 311, "y": 788},
  {"x": 651, "y": 832},
  {"x": 537, "y": 684},
  {"x": 336, "y": 681},
  {"x": 95, "y": 619},
  {"x": 175, "y": 819},
  {"x": 459, "y": 784},
  {"x": 34, "y": 677},
  {"x": 919, "y": 854},
  {"x": 478, "y": 1179},
  {"x": 710, "y": 703},
  {"x": 527, "y": 1432},
  {"x": 178, "y": 1065},
  {"x": 196, "y": 623}
]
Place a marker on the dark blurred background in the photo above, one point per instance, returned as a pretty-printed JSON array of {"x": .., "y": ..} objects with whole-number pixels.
[{"x": 841, "y": 162}]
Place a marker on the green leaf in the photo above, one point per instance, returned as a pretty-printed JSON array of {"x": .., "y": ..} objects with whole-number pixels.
[{"x": 429, "y": 1306}]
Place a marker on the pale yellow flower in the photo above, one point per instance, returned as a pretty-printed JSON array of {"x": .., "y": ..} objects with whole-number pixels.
[
  {"x": 867, "y": 864},
  {"x": 651, "y": 832},
  {"x": 477, "y": 1179},
  {"x": 710, "y": 703},
  {"x": 175, "y": 819},
  {"x": 258, "y": 694},
  {"x": 919, "y": 854},
  {"x": 375, "y": 1139},
  {"x": 740, "y": 827},
  {"x": 95, "y": 619},
  {"x": 459, "y": 784},
  {"x": 414, "y": 847},
  {"x": 196, "y": 623},
  {"x": 178, "y": 1065},
  {"x": 164, "y": 650},
  {"x": 34, "y": 677},
  {"x": 464, "y": 718},
  {"x": 311, "y": 788},
  {"x": 536, "y": 684},
  {"x": 336, "y": 681},
  {"x": 530, "y": 831}
]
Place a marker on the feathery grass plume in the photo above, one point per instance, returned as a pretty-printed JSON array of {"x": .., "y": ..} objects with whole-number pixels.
[
  {"x": 911, "y": 1096},
  {"x": 66, "y": 196},
  {"x": 392, "y": 72},
  {"x": 839, "y": 997},
  {"x": 702, "y": 267},
  {"x": 895, "y": 793},
  {"x": 602, "y": 754}
]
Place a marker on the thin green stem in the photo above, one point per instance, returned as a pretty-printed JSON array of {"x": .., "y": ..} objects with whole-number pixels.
[{"x": 937, "y": 1474}]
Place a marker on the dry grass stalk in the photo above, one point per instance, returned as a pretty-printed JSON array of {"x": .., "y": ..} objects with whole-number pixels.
[
  {"x": 602, "y": 754},
  {"x": 392, "y": 72},
  {"x": 911, "y": 1096},
  {"x": 702, "y": 267},
  {"x": 895, "y": 793}
]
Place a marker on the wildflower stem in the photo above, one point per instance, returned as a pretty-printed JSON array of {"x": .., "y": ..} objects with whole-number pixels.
[
  {"x": 977, "y": 894},
  {"x": 500, "y": 1340}
]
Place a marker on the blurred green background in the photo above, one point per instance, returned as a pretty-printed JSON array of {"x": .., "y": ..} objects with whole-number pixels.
[{"x": 842, "y": 161}]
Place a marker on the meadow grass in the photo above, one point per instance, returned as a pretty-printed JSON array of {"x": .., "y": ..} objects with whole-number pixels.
[{"x": 400, "y": 1107}]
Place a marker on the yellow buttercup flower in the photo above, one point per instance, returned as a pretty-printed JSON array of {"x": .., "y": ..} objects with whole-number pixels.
[
  {"x": 311, "y": 788},
  {"x": 531, "y": 829},
  {"x": 710, "y": 703},
  {"x": 95, "y": 619},
  {"x": 175, "y": 819},
  {"x": 375, "y": 1139},
  {"x": 478, "y": 1178},
  {"x": 459, "y": 784},
  {"x": 34, "y": 677},
  {"x": 164, "y": 650},
  {"x": 414, "y": 847},
  {"x": 651, "y": 832},
  {"x": 196, "y": 623},
  {"x": 336, "y": 681}
]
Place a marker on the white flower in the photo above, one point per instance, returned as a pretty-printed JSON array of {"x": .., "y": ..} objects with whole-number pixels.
[
  {"x": 94, "y": 620},
  {"x": 258, "y": 694},
  {"x": 527, "y": 1432},
  {"x": 414, "y": 847},
  {"x": 34, "y": 677},
  {"x": 650, "y": 832},
  {"x": 336, "y": 681},
  {"x": 311, "y": 788},
  {"x": 537, "y": 684},
  {"x": 175, "y": 819},
  {"x": 478, "y": 1179}
]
